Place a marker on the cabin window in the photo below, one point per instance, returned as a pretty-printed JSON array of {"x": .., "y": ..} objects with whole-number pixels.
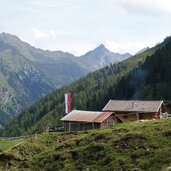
[{"x": 125, "y": 116}]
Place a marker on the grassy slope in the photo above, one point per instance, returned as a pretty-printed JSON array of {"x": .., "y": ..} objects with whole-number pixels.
[{"x": 128, "y": 146}]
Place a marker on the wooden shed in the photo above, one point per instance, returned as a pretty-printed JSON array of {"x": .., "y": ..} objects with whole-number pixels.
[
  {"x": 78, "y": 120},
  {"x": 132, "y": 110}
]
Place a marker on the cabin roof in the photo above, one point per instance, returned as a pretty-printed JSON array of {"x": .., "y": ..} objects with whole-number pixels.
[
  {"x": 86, "y": 116},
  {"x": 133, "y": 106}
]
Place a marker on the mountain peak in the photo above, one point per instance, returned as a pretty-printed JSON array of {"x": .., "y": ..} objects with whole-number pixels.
[
  {"x": 101, "y": 48},
  {"x": 142, "y": 50},
  {"x": 7, "y": 36},
  {"x": 167, "y": 40},
  {"x": 14, "y": 43}
]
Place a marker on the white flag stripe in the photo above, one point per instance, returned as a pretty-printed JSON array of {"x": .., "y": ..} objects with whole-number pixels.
[{"x": 66, "y": 103}]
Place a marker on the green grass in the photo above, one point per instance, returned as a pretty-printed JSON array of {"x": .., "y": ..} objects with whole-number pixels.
[
  {"x": 127, "y": 146},
  {"x": 7, "y": 144}
]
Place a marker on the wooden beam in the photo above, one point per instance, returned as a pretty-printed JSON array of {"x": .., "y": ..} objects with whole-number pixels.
[
  {"x": 79, "y": 126},
  {"x": 138, "y": 118},
  {"x": 119, "y": 117},
  {"x": 93, "y": 124},
  {"x": 69, "y": 126}
]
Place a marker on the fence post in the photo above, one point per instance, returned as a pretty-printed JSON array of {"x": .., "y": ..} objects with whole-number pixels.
[{"x": 36, "y": 136}]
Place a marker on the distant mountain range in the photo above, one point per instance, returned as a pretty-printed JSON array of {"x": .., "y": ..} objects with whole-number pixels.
[
  {"x": 92, "y": 92},
  {"x": 28, "y": 73}
]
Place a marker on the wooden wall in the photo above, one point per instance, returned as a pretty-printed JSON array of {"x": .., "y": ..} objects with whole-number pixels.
[
  {"x": 109, "y": 122},
  {"x": 80, "y": 126},
  {"x": 83, "y": 126},
  {"x": 125, "y": 117}
]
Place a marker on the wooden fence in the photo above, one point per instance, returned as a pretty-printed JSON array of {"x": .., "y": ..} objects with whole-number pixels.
[{"x": 18, "y": 138}]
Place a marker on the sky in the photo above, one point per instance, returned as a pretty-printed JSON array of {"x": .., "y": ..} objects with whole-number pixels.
[{"x": 77, "y": 26}]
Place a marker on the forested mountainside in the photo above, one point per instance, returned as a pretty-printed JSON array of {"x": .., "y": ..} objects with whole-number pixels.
[
  {"x": 127, "y": 146},
  {"x": 89, "y": 93},
  {"x": 152, "y": 80},
  {"x": 28, "y": 73},
  {"x": 5, "y": 118}
]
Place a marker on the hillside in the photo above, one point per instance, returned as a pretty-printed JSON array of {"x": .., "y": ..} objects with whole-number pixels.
[
  {"x": 28, "y": 73},
  {"x": 152, "y": 80},
  {"x": 89, "y": 93},
  {"x": 128, "y": 146}
]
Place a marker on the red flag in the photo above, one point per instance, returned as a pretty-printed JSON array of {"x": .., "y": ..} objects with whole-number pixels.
[{"x": 67, "y": 102}]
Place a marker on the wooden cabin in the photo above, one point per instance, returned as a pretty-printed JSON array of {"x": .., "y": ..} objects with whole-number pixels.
[
  {"x": 132, "y": 110},
  {"x": 78, "y": 120}
]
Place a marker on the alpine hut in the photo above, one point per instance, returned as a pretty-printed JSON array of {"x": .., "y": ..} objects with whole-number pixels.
[
  {"x": 131, "y": 110},
  {"x": 78, "y": 120}
]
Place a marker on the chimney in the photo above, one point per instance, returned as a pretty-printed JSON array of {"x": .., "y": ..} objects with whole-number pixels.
[{"x": 134, "y": 104}]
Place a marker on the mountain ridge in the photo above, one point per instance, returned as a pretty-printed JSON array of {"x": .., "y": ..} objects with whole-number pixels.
[{"x": 106, "y": 56}]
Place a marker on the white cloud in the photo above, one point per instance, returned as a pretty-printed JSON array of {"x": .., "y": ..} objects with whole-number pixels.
[
  {"x": 38, "y": 34},
  {"x": 124, "y": 47},
  {"x": 76, "y": 49},
  {"x": 152, "y": 8},
  {"x": 81, "y": 49}
]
